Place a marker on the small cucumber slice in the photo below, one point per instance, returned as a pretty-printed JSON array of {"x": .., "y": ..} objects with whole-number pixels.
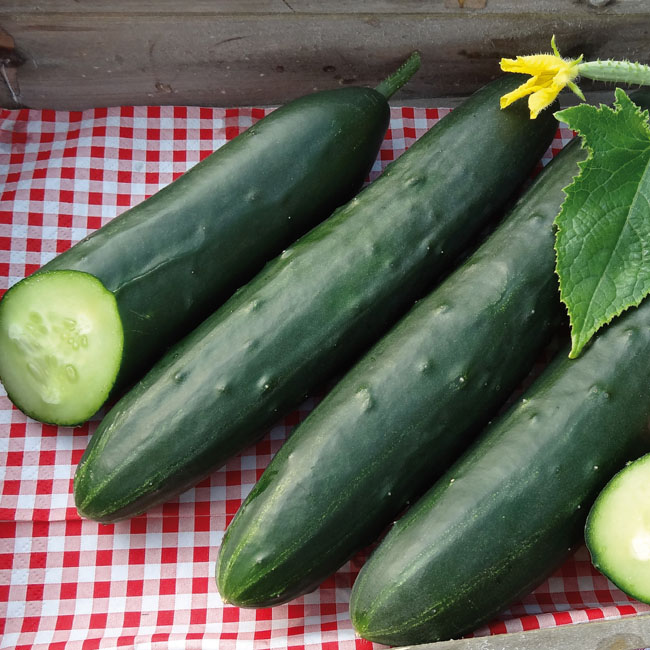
[
  {"x": 617, "y": 531},
  {"x": 61, "y": 344}
]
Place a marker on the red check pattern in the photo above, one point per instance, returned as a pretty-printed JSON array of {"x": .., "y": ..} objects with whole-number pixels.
[{"x": 69, "y": 584}]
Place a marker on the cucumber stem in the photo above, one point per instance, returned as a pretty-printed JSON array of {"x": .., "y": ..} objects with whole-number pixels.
[{"x": 389, "y": 86}]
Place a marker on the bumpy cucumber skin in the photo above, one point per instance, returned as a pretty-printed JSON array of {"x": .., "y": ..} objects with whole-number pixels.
[
  {"x": 510, "y": 511},
  {"x": 405, "y": 412},
  {"x": 310, "y": 311},
  {"x": 174, "y": 258}
]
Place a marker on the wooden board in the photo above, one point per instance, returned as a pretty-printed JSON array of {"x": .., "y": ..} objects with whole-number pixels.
[
  {"x": 74, "y": 54},
  {"x": 627, "y": 633}
]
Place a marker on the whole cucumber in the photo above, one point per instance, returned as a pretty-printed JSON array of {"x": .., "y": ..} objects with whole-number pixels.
[
  {"x": 510, "y": 511},
  {"x": 405, "y": 412},
  {"x": 174, "y": 258},
  {"x": 310, "y": 311}
]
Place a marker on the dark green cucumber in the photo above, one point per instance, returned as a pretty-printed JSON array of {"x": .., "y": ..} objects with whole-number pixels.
[
  {"x": 174, "y": 258},
  {"x": 405, "y": 412},
  {"x": 514, "y": 506},
  {"x": 617, "y": 531},
  {"x": 311, "y": 310}
]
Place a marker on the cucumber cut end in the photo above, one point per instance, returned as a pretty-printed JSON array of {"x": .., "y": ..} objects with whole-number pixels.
[
  {"x": 617, "y": 531},
  {"x": 61, "y": 341}
]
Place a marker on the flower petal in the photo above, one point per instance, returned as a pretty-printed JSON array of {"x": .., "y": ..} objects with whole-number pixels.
[
  {"x": 521, "y": 91},
  {"x": 550, "y": 73},
  {"x": 534, "y": 64},
  {"x": 544, "y": 97}
]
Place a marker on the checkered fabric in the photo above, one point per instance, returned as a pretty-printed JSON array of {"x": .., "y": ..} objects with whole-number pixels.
[{"x": 71, "y": 584}]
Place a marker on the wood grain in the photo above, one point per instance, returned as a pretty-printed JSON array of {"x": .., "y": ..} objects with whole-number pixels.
[
  {"x": 82, "y": 53},
  {"x": 626, "y": 633}
]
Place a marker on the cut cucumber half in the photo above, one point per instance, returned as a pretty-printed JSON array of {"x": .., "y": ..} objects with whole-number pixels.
[
  {"x": 617, "y": 531},
  {"x": 61, "y": 342}
]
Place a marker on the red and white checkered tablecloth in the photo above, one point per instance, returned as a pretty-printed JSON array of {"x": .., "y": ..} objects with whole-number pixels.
[{"x": 71, "y": 584}]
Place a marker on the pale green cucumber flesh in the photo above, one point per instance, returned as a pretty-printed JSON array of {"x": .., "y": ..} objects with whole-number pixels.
[
  {"x": 61, "y": 344},
  {"x": 618, "y": 530}
]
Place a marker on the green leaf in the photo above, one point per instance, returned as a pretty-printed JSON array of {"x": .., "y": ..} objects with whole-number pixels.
[{"x": 603, "y": 230}]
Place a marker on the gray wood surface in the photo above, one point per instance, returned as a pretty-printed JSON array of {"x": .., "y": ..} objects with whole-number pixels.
[
  {"x": 74, "y": 54},
  {"x": 628, "y": 633}
]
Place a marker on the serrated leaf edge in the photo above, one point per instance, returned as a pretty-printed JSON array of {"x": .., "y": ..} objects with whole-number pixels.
[
  {"x": 579, "y": 341},
  {"x": 558, "y": 228}
]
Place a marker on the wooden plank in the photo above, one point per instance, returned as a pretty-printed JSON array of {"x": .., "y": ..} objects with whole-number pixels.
[
  {"x": 628, "y": 633},
  {"x": 108, "y": 53},
  {"x": 10, "y": 61},
  {"x": 331, "y": 7}
]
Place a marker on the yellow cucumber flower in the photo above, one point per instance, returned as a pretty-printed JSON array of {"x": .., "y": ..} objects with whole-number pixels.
[{"x": 550, "y": 73}]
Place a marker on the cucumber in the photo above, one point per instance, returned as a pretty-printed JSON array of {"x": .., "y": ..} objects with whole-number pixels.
[
  {"x": 174, "y": 258},
  {"x": 617, "y": 531},
  {"x": 72, "y": 346},
  {"x": 399, "y": 418},
  {"x": 513, "y": 507},
  {"x": 310, "y": 311}
]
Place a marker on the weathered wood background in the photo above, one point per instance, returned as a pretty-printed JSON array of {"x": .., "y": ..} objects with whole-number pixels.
[{"x": 73, "y": 54}]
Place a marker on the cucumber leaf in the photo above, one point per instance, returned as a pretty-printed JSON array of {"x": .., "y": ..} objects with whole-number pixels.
[{"x": 602, "y": 240}]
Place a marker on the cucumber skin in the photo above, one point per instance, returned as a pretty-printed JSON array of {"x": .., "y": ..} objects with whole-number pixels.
[
  {"x": 519, "y": 497},
  {"x": 402, "y": 415},
  {"x": 310, "y": 311},
  {"x": 174, "y": 258}
]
